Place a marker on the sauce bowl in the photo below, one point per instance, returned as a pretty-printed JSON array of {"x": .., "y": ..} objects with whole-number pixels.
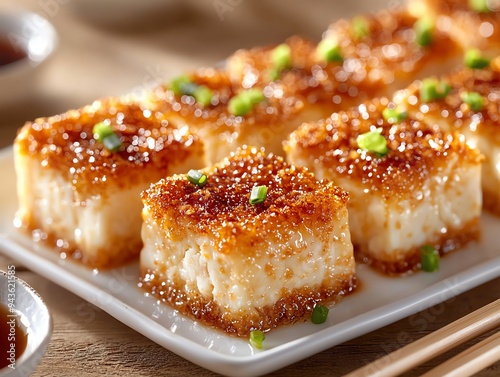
[
  {"x": 32, "y": 36},
  {"x": 33, "y": 317}
]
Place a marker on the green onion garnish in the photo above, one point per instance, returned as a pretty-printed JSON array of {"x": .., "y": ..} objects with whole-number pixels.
[
  {"x": 112, "y": 142},
  {"x": 359, "y": 27},
  {"x": 197, "y": 178},
  {"x": 281, "y": 59},
  {"x": 432, "y": 89},
  {"x": 319, "y": 314},
  {"x": 480, "y": 6},
  {"x": 394, "y": 115},
  {"x": 203, "y": 95},
  {"x": 182, "y": 85},
  {"x": 424, "y": 28},
  {"x": 473, "y": 99},
  {"x": 242, "y": 103},
  {"x": 373, "y": 141},
  {"x": 177, "y": 83},
  {"x": 103, "y": 132},
  {"x": 256, "y": 338},
  {"x": 474, "y": 59},
  {"x": 429, "y": 258},
  {"x": 329, "y": 50},
  {"x": 258, "y": 194}
]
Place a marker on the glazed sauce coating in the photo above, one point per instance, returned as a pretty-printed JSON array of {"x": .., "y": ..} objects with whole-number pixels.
[
  {"x": 222, "y": 207},
  {"x": 387, "y": 54},
  {"x": 292, "y": 307},
  {"x": 486, "y": 82},
  {"x": 415, "y": 150},
  {"x": 280, "y": 104},
  {"x": 66, "y": 143}
]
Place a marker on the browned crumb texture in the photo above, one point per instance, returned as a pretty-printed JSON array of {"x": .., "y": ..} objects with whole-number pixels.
[
  {"x": 416, "y": 150},
  {"x": 65, "y": 143},
  {"x": 449, "y": 7},
  {"x": 390, "y": 47},
  {"x": 446, "y": 243},
  {"x": 281, "y": 104},
  {"x": 293, "y": 305},
  {"x": 222, "y": 207},
  {"x": 387, "y": 54},
  {"x": 483, "y": 81}
]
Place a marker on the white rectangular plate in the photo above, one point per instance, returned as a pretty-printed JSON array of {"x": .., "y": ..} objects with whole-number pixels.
[{"x": 380, "y": 301}]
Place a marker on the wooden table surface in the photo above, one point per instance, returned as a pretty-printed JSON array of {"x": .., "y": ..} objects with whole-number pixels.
[{"x": 97, "y": 59}]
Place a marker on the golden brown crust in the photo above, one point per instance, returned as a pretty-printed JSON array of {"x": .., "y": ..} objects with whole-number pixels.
[
  {"x": 65, "y": 142},
  {"x": 221, "y": 207},
  {"x": 389, "y": 50},
  {"x": 469, "y": 27},
  {"x": 453, "y": 110},
  {"x": 444, "y": 243},
  {"x": 280, "y": 106},
  {"x": 255, "y": 64},
  {"x": 293, "y": 305},
  {"x": 415, "y": 149},
  {"x": 387, "y": 54}
]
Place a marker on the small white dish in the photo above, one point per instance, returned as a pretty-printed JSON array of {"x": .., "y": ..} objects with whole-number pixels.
[
  {"x": 34, "y": 37},
  {"x": 33, "y": 314}
]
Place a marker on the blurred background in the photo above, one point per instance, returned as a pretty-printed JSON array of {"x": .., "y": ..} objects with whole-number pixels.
[{"x": 111, "y": 47}]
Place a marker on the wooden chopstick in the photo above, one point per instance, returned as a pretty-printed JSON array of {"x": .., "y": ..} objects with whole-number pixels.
[
  {"x": 470, "y": 361},
  {"x": 474, "y": 324}
]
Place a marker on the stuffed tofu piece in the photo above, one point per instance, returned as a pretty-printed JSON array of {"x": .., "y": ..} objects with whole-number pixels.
[
  {"x": 227, "y": 117},
  {"x": 79, "y": 184},
  {"x": 248, "y": 243},
  {"x": 466, "y": 101},
  {"x": 472, "y": 24},
  {"x": 409, "y": 185}
]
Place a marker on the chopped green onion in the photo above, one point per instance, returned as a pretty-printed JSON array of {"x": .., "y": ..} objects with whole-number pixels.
[
  {"x": 373, "y": 141},
  {"x": 473, "y": 99},
  {"x": 329, "y": 50},
  {"x": 112, "y": 142},
  {"x": 188, "y": 88},
  {"x": 394, "y": 115},
  {"x": 203, "y": 95},
  {"x": 254, "y": 95},
  {"x": 474, "y": 59},
  {"x": 103, "y": 132},
  {"x": 281, "y": 59},
  {"x": 182, "y": 85},
  {"x": 281, "y": 56},
  {"x": 359, "y": 27},
  {"x": 319, "y": 314},
  {"x": 424, "y": 28},
  {"x": 429, "y": 258},
  {"x": 197, "y": 178},
  {"x": 256, "y": 338},
  {"x": 480, "y": 6},
  {"x": 258, "y": 194},
  {"x": 242, "y": 103},
  {"x": 432, "y": 89},
  {"x": 177, "y": 84}
]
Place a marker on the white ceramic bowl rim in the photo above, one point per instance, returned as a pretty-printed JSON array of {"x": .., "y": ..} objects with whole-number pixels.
[
  {"x": 29, "y": 32},
  {"x": 32, "y": 310}
]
